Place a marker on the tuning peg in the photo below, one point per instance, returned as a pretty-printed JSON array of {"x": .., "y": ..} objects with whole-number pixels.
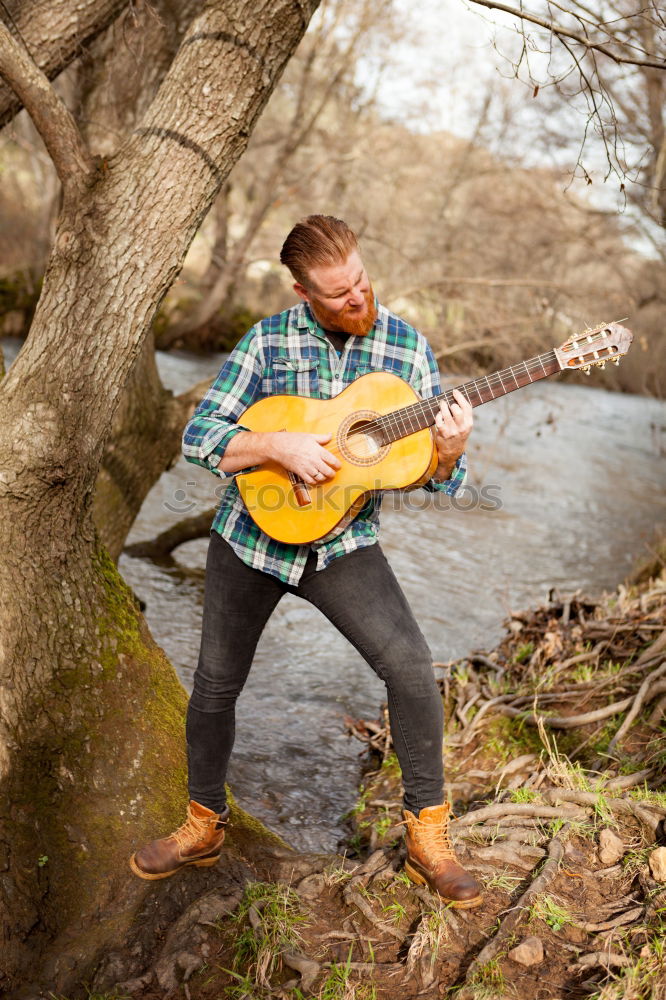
[
  {"x": 615, "y": 361},
  {"x": 601, "y": 364},
  {"x": 586, "y": 369}
]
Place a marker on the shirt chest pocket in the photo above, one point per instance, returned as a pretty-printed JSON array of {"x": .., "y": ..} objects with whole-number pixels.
[{"x": 291, "y": 377}]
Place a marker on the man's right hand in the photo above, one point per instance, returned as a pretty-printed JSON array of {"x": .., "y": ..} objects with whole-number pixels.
[
  {"x": 304, "y": 455},
  {"x": 297, "y": 452}
]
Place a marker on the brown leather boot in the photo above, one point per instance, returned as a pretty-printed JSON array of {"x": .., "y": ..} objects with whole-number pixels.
[
  {"x": 431, "y": 859},
  {"x": 196, "y": 842}
]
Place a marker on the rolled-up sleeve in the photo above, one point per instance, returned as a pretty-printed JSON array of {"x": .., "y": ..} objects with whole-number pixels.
[
  {"x": 427, "y": 383},
  {"x": 216, "y": 419}
]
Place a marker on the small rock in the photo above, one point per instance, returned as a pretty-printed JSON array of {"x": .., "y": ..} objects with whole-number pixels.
[
  {"x": 528, "y": 952},
  {"x": 658, "y": 864},
  {"x": 611, "y": 848},
  {"x": 311, "y": 886}
]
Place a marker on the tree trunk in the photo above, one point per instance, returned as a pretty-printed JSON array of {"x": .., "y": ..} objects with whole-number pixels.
[
  {"x": 145, "y": 440},
  {"x": 55, "y": 33},
  {"x": 311, "y": 101},
  {"x": 118, "y": 76},
  {"x": 117, "y": 80},
  {"x": 91, "y": 737}
]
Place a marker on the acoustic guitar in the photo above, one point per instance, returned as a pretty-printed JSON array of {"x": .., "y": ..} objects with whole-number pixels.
[{"x": 382, "y": 433}]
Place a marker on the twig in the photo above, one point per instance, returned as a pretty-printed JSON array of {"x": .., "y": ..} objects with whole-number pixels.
[{"x": 561, "y": 32}]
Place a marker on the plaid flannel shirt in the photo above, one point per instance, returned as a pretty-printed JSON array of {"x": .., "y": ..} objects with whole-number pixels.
[{"x": 290, "y": 353}]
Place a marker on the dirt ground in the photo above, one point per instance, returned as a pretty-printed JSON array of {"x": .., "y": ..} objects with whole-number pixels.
[{"x": 556, "y": 759}]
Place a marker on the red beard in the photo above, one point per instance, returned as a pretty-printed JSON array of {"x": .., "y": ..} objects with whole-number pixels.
[{"x": 348, "y": 320}]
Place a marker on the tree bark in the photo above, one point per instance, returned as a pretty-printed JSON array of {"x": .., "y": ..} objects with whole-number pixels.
[
  {"x": 144, "y": 442},
  {"x": 120, "y": 72},
  {"x": 91, "y": 737},
  {"x": 117, "y": 80},
  {"x": 320, "y": 75},
  {"x": 54, "y": 34}
]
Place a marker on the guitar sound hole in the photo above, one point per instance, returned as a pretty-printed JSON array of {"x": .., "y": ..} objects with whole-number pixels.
[{"x": 359, "y": 442}]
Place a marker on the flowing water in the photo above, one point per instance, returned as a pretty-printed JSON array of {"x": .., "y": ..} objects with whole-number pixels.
[{"x": 566, "y": 486}]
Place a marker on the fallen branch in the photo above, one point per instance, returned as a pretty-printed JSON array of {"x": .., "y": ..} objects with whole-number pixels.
[{"x": 161, "y": 547}]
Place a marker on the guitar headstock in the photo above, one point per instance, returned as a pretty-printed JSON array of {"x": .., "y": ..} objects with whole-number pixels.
[{"x": 606, "y": 342}]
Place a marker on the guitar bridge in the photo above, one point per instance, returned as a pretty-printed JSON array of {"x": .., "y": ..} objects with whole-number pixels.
[{"x": 301, "y": 492}]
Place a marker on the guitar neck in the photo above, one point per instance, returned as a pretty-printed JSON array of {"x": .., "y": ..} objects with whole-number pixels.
[{"x": 409, "y": 419}]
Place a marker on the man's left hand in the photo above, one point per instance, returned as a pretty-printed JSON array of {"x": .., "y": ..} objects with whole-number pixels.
[{"x": 453, "y": 425}]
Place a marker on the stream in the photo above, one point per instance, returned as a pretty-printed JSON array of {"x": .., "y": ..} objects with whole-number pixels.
[{"x": 566, "y": 487}]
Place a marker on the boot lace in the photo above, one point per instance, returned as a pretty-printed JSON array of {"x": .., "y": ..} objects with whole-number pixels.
[
  {"x": 434, "y": 839},
  {"x": 192, "y": 830}
]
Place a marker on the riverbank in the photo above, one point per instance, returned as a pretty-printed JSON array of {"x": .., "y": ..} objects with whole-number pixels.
[{"x": 556, "y": 758}]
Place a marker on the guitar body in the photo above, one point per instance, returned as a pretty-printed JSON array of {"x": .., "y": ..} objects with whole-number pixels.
[
  {"x": 294, "y": 513},
  {"x": 289, "y": 511}
]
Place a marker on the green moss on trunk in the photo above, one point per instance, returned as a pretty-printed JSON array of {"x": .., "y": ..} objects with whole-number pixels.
[{"x": 112, "y": 779}]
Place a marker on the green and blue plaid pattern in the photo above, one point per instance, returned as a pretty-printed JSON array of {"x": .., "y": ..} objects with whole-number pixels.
[{"x": 290, "y": 353}]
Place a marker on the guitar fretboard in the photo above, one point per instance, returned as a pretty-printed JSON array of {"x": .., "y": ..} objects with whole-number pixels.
[{"x": 410, "y": 419}]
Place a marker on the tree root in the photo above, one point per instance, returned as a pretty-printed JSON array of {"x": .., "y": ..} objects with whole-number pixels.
[
  {"x": 308, "y": 968},
  {"x": 647, "y": 813},
  {"x": 510, "y": 922},
  {"x": 627, "y": 917},
  {"x": 354, "y": 898},
  {"x": 643, "y": 694},
  {"x": 532, "y": 809},
  {"x": 606, "y": 959}
]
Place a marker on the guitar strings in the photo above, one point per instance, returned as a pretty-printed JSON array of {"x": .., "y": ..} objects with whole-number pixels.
[
  {"x": 404, "y": 415},
  {"x": 393, "y": 420}
]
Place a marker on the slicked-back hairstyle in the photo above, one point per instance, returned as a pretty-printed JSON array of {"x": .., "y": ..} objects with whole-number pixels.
[{"x": 315, "y": 241}]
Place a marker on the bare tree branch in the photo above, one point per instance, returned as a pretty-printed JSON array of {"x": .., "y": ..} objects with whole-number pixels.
[
  {"x": 50, "y": 116},
  {"x": 54, "y": 33},
  {"x": 561, "y": 32}
]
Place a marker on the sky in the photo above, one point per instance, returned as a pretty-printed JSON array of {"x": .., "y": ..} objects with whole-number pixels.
[
  {"x": 455, "y": 51},
  {"x": 450, "y": 43}
]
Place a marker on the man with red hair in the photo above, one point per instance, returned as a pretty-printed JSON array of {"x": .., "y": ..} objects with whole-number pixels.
[{"x": 335, "y": 334}]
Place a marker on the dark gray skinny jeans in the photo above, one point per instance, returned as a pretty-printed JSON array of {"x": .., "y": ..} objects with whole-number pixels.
[{"x": 360, "y": 595}]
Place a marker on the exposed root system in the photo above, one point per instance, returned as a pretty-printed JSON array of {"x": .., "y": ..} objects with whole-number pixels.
[{"x": 556, "y": 758}]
